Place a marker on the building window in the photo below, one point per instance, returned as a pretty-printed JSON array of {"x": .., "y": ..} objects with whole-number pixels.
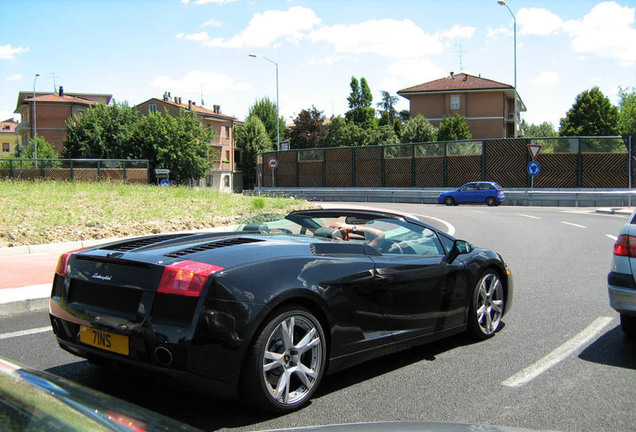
[
  {"x": 152, "y": 108},
  {"x": 6, "y": 147},
  {"x": 455, "y": 102},
  {"x": 227, "y": 132}
]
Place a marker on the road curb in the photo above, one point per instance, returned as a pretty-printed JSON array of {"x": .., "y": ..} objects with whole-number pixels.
[{"x": 24, "y": 306}]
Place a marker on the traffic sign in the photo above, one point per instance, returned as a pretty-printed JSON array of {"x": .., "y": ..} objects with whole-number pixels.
[
  {"x": 534, "y": 168},
  {"x": 534, "y": 150},
  {"x": 272, "y": 162}
]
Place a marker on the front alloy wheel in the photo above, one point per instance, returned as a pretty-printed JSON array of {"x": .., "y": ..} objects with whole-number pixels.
[
  {"x": 487, "y": 306},
  {"x": 287, "y": 362}
]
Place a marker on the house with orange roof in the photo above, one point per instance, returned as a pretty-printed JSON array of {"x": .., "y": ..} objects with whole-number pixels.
[
  {"x": 44, "y": 114},
  {"x": 491, "y": 109},
  {"x": 9, "y": 139},
  {"x": 224, "y": 174}
]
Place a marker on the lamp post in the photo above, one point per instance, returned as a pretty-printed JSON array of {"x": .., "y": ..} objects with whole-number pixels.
[
  {"x": 35, "y": 131},
  {"x": 277, "y": 105},
  {"x": 514, "y": 27}
]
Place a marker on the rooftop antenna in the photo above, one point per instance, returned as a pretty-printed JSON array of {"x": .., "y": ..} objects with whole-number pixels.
[
  {"x": 460, "y": 51},
  {"x": 202, "y": 103},
  {"x": 54, "y": 84}
]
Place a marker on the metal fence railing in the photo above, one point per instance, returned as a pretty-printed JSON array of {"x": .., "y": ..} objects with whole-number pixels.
[
  {"x": 90, "y": 170},
  {"x": 566, "y": 162}
]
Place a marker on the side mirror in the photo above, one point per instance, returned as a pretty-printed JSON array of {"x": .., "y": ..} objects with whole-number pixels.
[{"x": 459, "y": 247}]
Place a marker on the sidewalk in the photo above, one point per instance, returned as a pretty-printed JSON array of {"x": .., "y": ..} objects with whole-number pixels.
[{"x": 26, "y": 272}]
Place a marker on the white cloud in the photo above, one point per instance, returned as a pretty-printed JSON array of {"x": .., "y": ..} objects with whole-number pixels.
[
  {"x": 328, "y": 60},
  {"x": 410, "y": 72},
  {"x": 607, "y": 31},
  {"x": 16, "y": 77},
  {"x": 459, "y": 32},
  {"x": 7, "y": 52},
  {"x": 267, "y": 28},
  {"x": 197, "y": 37},
  {"x": 545, "y": 79},
  {"x": 212, "y": 23},
  {"x": 536, "y": 21},
  {"x": 494, "y": 33},
  {"x": 191, "y": 83},
  {"x": 387, "y": 37}
]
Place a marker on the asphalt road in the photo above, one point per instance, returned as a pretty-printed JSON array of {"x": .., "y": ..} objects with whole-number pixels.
[{"x": 560, "y": 362}]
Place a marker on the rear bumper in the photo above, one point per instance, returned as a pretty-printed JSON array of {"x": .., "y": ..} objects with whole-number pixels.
[{"x": 622, "y": 293}]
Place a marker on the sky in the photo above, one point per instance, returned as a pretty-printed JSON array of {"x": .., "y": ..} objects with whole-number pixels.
[{"x": 199, "y": 49}]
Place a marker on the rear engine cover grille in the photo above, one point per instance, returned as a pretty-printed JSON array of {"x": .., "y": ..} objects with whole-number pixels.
[
  {"x": 212, "y": 245},
  {"x": 117, "y": 299},
  {"x": 139, "y": 243}
]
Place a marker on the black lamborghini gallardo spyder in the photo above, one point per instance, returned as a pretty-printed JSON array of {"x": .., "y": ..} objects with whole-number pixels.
[{"x": 263, "y": 312}]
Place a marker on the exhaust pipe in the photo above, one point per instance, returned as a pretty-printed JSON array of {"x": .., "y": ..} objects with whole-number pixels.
[{"x": 163, "y": 356}]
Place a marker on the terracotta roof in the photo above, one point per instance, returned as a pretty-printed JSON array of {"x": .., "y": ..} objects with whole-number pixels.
[
  {"x": 196, "y": 108},
  {"x": 62, "y": 99},
  {"x": 8, "y": 126},
  {"x": 456, "y": 82}
]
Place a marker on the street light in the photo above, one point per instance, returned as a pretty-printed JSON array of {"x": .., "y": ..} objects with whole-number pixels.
[
  {"x": 277, "y": 108},
  {"x": 35, "y": 131},
  {"x": 514, "y": 26},
  {"x": 514, "y": 23}
]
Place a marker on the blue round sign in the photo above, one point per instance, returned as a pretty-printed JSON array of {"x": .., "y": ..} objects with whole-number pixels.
[
  {"x": 534, "y": 168},
  {"x": 164, "y": 183}
]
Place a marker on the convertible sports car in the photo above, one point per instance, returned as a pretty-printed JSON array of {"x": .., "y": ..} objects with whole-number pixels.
[{"x": 261, "y": 313}]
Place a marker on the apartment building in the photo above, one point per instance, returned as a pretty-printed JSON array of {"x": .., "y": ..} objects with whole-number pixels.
[
  {"x": 491, "y": 109},
  {"x": 44, "y": 114},
  {"x": 224, "y": 174}
]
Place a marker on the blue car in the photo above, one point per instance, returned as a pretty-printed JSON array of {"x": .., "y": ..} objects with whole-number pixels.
[{"x": 490, "y": 193}]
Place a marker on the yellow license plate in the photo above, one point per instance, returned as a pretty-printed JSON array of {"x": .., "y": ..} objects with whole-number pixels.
[{"x": 104, "y": 340}]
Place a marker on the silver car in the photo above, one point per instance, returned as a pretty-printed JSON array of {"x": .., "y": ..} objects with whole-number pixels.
[{"x": 621, "y": 280}]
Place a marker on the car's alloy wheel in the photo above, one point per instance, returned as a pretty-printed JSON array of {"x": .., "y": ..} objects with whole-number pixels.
[
  {"x": 491, "y": 201},
  {"x": 287, "y": 361},
  {"x": 449, "y": 201},
  {"x": 487, "y": 306}
]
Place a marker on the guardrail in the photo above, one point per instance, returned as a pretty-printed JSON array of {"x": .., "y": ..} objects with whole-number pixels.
[{"x": 518, "y": 197}]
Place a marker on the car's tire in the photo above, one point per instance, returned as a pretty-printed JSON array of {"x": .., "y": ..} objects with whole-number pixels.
[
  {"x": 286, "y": 362},
  {"x": 449, "y": 201},
  {"x": 491, "y": 201},
  {"x": 486, "y": 306},
  {"x": 628, "y": 324}
]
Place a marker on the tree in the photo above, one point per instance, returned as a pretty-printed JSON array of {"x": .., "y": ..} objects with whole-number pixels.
[
  {"x": 252, "y": 139},
  {"x": 627, "y": 112},
  {"x": 591, "y": 115},
  {"x": 309, "y": 129},
  {"x": 46, "y": 150},
  {"x": 419, "y": 129},
  {"x": 383, "y": 135},
  {"x": 453, "y": 129},
  {"x": 543, "y": 130},
  {"x": 265, "y": 110},
  {"x": 180, "y": 144},
  {"x": 361, "y": 113},
  {"x": 388, "y": 113},
  {"x": 102, "y": 132}
]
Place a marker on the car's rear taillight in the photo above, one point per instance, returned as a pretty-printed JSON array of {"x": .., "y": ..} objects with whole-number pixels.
[
  {"x": 186, "y": 278},
  {"x": 499, "y": 192},
  {"x": 625, "y": 246},
  {"x": 129, "y": 423},
  {"x": 62, "y": 262}
]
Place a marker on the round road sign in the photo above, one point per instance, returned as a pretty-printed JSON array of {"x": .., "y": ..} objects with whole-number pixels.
[
  {"x": 272, "y": 162},
  {"x": 534, "y": 168}
]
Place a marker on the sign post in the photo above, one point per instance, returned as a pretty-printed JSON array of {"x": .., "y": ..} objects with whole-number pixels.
[{"x": 273, "y": 164}]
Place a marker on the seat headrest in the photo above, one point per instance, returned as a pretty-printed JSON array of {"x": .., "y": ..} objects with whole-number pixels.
[
  {"x": 256, "y": 227},
  {"x": 330, "y": 233}
]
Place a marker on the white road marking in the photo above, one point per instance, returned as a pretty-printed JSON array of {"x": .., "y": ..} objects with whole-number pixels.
[
  {"x": 612, "y": 237},
  {"x": 528, "y": 216},
  {"x": 25, "y": 332},
  {"x": 559, "y": 354},
  {"x": 573, "y": 224},
  {"x": 450, "y": 229}
]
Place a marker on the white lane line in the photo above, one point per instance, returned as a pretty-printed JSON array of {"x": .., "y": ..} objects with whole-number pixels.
[
  {"x": 573, "y": 224},
  {"x": 612, "y": 237},
  {"x": 559, "y": 354},
  {"x": 450, "y": 229},
  {"x": 528, "y": 216},
  {"x": 25, "y": 332}
]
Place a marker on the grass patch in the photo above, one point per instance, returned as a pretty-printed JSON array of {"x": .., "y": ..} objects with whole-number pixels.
[{"x": 46, "y": 212}]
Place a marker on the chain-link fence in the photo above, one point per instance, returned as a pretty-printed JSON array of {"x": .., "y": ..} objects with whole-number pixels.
[
  {"x": 90, "y": 170},
  {"x": 570, "y": 162}
]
